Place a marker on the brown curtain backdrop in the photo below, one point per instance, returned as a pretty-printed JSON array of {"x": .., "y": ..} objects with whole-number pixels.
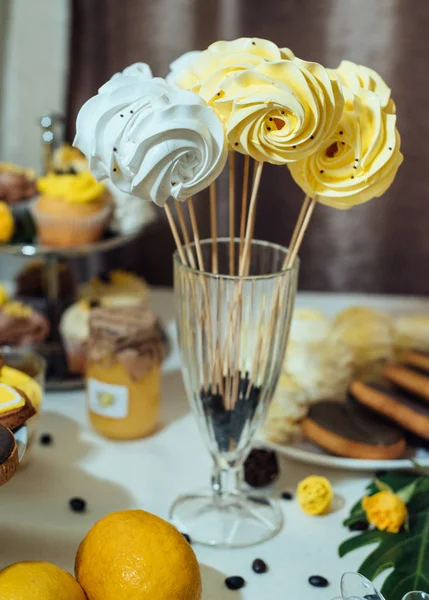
[{"x": 382, "y": 246}]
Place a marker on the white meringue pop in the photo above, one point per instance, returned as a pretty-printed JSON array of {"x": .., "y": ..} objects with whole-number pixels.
[{"x": 151, "y": 139}]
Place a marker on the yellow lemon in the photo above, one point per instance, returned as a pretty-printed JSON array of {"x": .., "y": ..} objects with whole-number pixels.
[
  {"x": 133, "y": 554},
  {"x": 38, "y": 581}
]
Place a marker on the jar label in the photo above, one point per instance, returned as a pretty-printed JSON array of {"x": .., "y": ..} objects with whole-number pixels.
[{"x": 107, "y": 399}]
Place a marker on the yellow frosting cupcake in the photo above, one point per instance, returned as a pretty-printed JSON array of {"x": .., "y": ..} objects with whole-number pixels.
[{"x": 71, "y": 209}]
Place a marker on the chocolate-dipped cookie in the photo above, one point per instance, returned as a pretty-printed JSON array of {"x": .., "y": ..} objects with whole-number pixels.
[
  {"x": 417, "y": 360},
  {"x": 8, "y": 455},
  {"x": 15, "y": 407},
  {"x": 398, "y": 406},
  {"x": 350, "y": 431},
  {"x": 408, "y": 379}
]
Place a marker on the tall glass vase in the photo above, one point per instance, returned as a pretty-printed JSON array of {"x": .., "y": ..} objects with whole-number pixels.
[{"x": 232, "y": 336}]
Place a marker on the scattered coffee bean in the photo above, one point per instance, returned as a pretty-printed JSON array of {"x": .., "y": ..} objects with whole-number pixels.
[
  {"x": 261, "y": 468},
  {"x": 235, "y": 583},
  {"x": 77, "y": 505},
  {"x": 287, "y": 496},
  {"x": 359, "y": 526},
  {"x": 46, "y": 439},
  {"x": 187, "y": 538},
  {"x": 318, "y": 581},
  {"x": 259, "y": 566}
]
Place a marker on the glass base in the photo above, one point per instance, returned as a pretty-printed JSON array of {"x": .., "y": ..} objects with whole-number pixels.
[{"x": 228, "y": 520}]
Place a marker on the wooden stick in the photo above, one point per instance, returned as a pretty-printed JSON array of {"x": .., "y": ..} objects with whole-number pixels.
[
  {"x": 245, "y": 262},
  {"x": 231, "y": 211},
  {"x": 175, "y": 233},
  {"x": 244, "y": 202},
  {"x": 196, "y": 234},
  {"x": 304, "y": 217},
  {"x": 213, "y": 227},
  {"x": 185, "y": 233},
  {"x": 298, "y": 223}
]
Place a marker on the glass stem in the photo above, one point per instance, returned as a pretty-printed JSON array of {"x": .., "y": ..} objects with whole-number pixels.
[{"x": 226, "y": 480}]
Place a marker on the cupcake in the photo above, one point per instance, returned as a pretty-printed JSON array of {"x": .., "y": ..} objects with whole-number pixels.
[
  {"x": 370, "y": 334},
  {"x": 17, "y": 185},
  {"x": 129, "y": 214},
  {"x": 116, "y": 283},
  {"x": 18, "y": 190},
  {"x": 67, "y": 159},
  {"x": 71, "y": 210},
  {"x": 74, "y": 326},
  {"x": 20, "y": 325}
]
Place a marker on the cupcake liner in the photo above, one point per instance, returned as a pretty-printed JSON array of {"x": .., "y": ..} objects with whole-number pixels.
[
  {"x": 76, "y": 354},
  {"x": 60, "y": 232}
]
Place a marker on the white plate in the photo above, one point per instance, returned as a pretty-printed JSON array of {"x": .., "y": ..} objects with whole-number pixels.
[
  {"x": 307, "y": 453},
  {"x": 21, "y": 437}
]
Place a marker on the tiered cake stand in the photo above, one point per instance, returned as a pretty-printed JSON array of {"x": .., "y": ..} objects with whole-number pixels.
[{"x": 58, "y": 377}]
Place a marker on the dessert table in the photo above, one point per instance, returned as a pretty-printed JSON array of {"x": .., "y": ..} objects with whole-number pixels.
[{"x": 37, "y": 523}]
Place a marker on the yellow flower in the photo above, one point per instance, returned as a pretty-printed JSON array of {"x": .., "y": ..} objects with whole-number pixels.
[
  {"x": 76, "y": 189},
  {"x": 359, "y": 161},
  {"x": 4, "y": 296},
  {"x": 315, "y": 495},
  {"x": 385, "y": 510},
  {"x": 7, "y": 224},
  {"x": 280, "y": 111}
]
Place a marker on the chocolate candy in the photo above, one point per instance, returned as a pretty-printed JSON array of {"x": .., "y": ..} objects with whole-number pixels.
[{"x": 261, "y": 468}]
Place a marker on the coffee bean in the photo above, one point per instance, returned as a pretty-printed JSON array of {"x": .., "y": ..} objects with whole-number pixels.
[
  {"x": 77, "y": 505},
  {"x": 259, "y": 566},
  {"x": 318, "y": 581},
  {"x": 46, "y": 439},
  {"x": 287, "y": 496},
  {"x": 235, "y": 583},
  {"x": 187, "y": 537}
]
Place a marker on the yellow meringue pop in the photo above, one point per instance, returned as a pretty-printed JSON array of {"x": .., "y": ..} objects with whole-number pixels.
[
  {"x": 204, "y": 72},
  {"x": 355, "y": 77},
  {"x": 280, "y": 111},
  {"x": 360, "y": 161}
]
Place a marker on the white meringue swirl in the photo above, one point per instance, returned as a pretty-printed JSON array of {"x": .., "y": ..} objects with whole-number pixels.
[{"x": 151, "y": 139}]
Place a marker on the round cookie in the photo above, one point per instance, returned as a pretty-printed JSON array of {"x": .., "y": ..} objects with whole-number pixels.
[
  {"x": 394, "y": 404},
  {"x": 8, "y": 455},
  {"x": 350, "y": 431}
]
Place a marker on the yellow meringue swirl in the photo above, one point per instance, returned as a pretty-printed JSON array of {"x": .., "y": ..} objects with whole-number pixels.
[
  {"x": 356, "y": 77},
  {"x": 360, "y": 161},
  {"x": 76, "y": 189},
  {"x": 207, "y": 71},
  {"x": 280, "y": 111}
]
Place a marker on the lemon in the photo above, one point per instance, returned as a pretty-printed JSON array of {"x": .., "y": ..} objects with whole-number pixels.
[
  {"x": 133, "y": 554},
  {"x": 38, "y": 581}
]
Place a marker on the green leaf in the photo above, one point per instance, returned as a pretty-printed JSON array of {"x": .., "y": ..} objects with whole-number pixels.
[
  {"x": 406, "y": 552},
  {"x": 383, "y": 487},
  {"x": 407, "y": 492}
]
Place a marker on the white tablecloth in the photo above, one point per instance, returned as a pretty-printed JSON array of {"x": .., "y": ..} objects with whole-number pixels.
[{"x": 36, "y": 522}]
